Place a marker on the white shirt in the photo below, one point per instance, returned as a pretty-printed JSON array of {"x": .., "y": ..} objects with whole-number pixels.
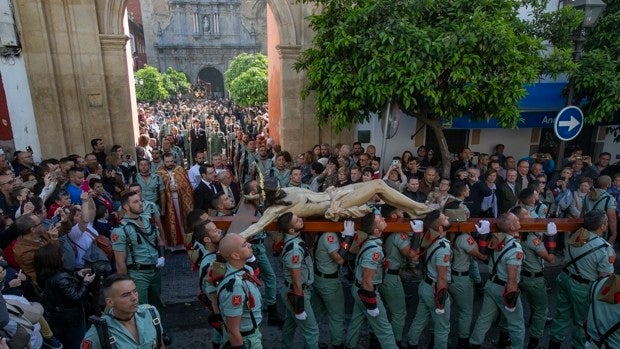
[
  {"x": 83, "y": 240},
  {"x": 194, "y": 175}
]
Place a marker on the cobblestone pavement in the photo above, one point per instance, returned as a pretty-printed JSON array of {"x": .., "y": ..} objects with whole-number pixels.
[{"x": 186, "y": 319}]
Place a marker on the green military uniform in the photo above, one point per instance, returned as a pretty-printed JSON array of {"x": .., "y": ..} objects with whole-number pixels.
[
  {"x": 603, "y": 202},
  {"x": 510, "y": 254},
  {"x": 140, "y": 246},
  {"x": 145, "y": 324},
  {"x": 438, "y": 254},
  {"x": 150, "y": 188},
  {"x": 539, "y": 210},
  {"x": 604, "y": 314},
  {"x": 218, "y": 142},
  {"x": 239, "y": 296},
  {"x": 391, "y": 288},
  {"x": 462, "y": 286},
  {"x": 205, "y": 286},
  {"x": 370, "y": 257},
  {"x": 150, "y": 208},
  {"x": 532, "y": 283},
  {"x": 283, "y": 178},
  {"x": 574, "y": 283},
  {"x": 328, "y": 293},
  {"x": 267, "y": 275},
  {"x": 295, "y": 255}
]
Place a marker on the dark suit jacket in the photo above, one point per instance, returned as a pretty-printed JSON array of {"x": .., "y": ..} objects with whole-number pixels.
[
  {"x": 203, "y": 195},
  {"x": 198, "y": 140},
  {"x": 507, "y": 199}
]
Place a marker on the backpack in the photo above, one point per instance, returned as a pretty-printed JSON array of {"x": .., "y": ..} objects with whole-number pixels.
[{"x": 21, "y": 331}]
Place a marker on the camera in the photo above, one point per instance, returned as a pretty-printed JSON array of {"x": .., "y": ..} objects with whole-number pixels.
[
  {"x": 395, "y": 163},
  {"x": 579, "y": 158},
  {"x": 541, "y": 156}
]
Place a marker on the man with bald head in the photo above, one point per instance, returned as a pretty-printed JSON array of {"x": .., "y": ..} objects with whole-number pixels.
[{"x": 239, "y": 295}]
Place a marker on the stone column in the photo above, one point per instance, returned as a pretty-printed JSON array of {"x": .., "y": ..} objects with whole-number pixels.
[{"x": 120, "y": 89}]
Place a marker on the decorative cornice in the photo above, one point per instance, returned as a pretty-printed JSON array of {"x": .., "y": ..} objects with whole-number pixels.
[
  {"x": 289, "y": 51},
  {"x": 113, "y": 41}
]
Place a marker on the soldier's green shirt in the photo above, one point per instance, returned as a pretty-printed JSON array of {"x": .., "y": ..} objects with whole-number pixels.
[
  {"x": 206, "y": 262},
  {"x": 144, "y": 253},
  {"x": 590, "y": 266},
  {"x": 371, "y": 257},
  {"x": 328, "y": 243},
  {"x": 394, "y": 243},
  {"x": 150, "y": 208},
  {"x": 461, "y": 258},
  {"x": 512, "y": 256},
  {"x": 604, "y": 202},
  {"x": 539, "y": 210},
  {"x": 150, "y": 188},
  {"x": 438, "y": 254},
  {"x": 240, "y": 297},
  {"x": 124, "y": 339},
  {"x": 533, "y": 244},
  {"x": 295, "y": 255}
]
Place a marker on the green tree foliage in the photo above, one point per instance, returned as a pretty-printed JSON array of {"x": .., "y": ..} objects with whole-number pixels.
[
  {"x": 250, "y": 88},
  {"x": 176, "y": 81},
  {"x": 150, "y": 85},
  {"x": 246, "y": 79},
  {"x": 241, "y": 63},
  {"x": 437, "y": 59},
  {"x": 597, "y": 78}
]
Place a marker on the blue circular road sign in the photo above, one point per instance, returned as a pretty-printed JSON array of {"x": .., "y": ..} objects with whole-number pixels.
[{"x": 568, "y": 123}]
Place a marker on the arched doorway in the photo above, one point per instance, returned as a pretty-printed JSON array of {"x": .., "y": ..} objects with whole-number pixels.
[{"x": 213, "y": 76}]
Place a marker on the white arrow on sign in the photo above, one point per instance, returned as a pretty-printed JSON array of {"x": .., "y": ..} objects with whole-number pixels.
[{"x": 571, "y": 124}]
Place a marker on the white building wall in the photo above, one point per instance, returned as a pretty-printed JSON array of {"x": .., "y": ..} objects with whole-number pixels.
[
  {"x": 19, "y": 101},
  {"x": 611, "y": 147},
  {"x": 395, "y": 146},
  {"x": 516, "y": 142}
]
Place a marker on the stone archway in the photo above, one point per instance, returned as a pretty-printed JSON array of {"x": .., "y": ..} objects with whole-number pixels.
[
  {"x": 215, "y": 78},
  {"x": 78, "y": 69},
  {"x": 291, "y": 119}
]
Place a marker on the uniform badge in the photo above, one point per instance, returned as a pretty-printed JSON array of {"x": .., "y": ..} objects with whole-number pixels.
[
  {"x": 86, "y": 344},
  {"x": 330, "y": 239},
  {"x": 612, "y": 259},
  {"x": 446, "y": 258},
  {"x": 470, "y": 240},
  {"x": 295, "y": 259},
  {"x": 375, "y": 256},
  {"x": 403, "y": 236},
  {"x": 114, "y": 237},
  {"x": 536, "y": 241},
  {"x": 236, "y": 300},
  {"x": 519, "y": 255}
]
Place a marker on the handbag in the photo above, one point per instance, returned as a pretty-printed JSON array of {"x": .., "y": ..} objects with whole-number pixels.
[{"x": 102, "y": 242}]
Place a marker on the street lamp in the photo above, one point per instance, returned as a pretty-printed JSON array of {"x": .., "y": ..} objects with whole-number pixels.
[{"x": 592, "y": 10}]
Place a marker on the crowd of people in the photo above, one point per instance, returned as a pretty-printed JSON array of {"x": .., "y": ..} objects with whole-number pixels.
[{"x": 88, "y": 235}]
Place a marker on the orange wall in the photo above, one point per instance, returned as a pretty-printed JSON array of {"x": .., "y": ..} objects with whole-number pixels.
[{"x": 274, "y": 77}]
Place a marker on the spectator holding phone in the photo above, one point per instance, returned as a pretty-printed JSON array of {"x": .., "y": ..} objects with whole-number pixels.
[{"x": 65, "y": 296}]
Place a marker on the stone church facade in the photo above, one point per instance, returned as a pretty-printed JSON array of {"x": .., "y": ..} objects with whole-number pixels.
[{"x": 200, "y": 37}]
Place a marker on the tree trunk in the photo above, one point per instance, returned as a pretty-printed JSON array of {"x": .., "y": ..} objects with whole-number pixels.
[{"x": 441, "y": 139}]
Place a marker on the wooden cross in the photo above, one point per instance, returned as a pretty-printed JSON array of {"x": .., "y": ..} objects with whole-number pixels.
[{"x": 246, "y": 215}]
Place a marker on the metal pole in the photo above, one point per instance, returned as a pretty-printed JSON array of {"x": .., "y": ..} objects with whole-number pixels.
[
  {"x": 579, "y": 38},
  {"x": 386, "y": 119}
]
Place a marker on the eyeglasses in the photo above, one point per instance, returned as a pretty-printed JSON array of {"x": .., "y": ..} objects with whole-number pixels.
[{"x": 542, "y": 182}]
